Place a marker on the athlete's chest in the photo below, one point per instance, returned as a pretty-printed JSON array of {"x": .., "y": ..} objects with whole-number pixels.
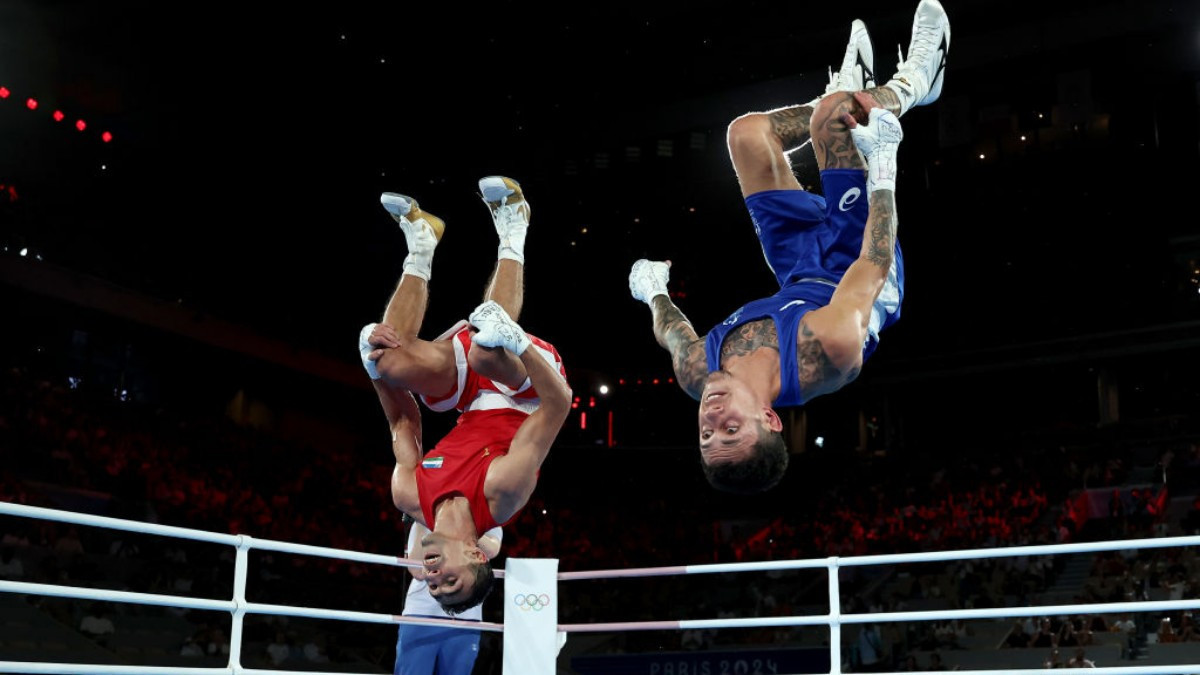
[{"x": 750, "y": 337}]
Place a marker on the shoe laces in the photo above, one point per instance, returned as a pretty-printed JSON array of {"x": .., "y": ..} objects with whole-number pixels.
[
  {"x": 507, "y": 214},
  {"x": 924, "y": 42},
  {"x": 905, "y": 70},
  {"x": 851, "y": 57}
]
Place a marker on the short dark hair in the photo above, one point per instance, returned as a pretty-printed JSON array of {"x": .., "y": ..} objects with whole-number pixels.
[
  {"x": 484, "y": 580},
  {"x": 759, "y": 472}
]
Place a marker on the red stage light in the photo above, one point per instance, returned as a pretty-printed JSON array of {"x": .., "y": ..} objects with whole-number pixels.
[
  {"x": 58, "y": 115},
  {"x": 31, "y": 104},
  {"x": 81, "y": 125},
  {"x": 4, "y": 92},
  {"x": 106, "y": 137}
]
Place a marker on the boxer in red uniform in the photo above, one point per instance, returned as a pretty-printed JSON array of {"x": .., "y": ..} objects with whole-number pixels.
[{"x": 509, "y": 386}]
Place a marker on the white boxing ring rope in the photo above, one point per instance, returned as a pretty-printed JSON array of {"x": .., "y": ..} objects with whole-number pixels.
[{"x": 238, "y": 606}]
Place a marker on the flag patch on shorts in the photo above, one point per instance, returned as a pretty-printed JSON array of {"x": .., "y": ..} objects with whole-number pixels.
[{"x": 432, "y": 462}]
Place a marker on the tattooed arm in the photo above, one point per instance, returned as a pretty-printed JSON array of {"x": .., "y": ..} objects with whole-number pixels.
[
  {"x": 831, "y": 338},
  {"x": 827, "y": 355},
  {"x": 865, "y": 277},
  {"x": 676, "y": 334}
]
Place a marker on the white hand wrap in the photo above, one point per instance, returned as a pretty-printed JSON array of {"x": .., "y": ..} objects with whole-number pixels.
[
  {"x": 878, "y": 141},
  {"x": 364, "y": 349},
  {"x": 648, "y": 279}
]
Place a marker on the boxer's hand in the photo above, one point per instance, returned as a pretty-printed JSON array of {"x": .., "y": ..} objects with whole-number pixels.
[
  {"x": 878, "y": 141},
  {"x": 648, "y": 279},
  {"x": 372, "y": 340}
]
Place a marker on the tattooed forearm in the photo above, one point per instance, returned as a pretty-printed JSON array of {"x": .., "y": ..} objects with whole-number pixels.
[
  {"x": 675, "y": 334},
  {"x": 691, "y": 367},
  {"x": 669, "y": 322},
  {"x": 881, "y": 228},
  {"x": 791, "y": 125},
  {"x": 750, "y": 337},
  {"x": 817, "y": 373},
  {"x": 886, "y": 98}
]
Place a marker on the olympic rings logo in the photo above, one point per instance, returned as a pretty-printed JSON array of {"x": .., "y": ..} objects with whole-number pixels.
[{"x": 531, "y": 601}]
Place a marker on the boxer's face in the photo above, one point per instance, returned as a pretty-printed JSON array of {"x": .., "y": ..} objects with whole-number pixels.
[
  {"x": 450, "y": 567},
  {"x": 729, "y": 419}
]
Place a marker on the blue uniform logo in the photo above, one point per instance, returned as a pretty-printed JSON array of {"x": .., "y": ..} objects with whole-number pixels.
[
  {"x": 733, "y": 317},
  {"x": 848, "y": 199}
]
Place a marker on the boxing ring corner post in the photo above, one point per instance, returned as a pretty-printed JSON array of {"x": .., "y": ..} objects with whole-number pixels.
[
  {"x": 241, "y": 569},
  {"x": 835, "y": 616},
  {"x": 530, "y": 616}
]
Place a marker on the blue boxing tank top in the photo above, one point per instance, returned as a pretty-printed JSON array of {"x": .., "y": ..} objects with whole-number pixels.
[{"x": 786, "y": 308}]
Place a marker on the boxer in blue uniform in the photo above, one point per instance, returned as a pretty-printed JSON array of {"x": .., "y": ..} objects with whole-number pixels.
[{"x": 836, "y": 258}]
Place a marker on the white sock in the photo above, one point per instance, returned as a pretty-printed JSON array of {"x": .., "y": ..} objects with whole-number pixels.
[
  {"x": 421, "y": 245},
  {"x": 418, "y": 266}
]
